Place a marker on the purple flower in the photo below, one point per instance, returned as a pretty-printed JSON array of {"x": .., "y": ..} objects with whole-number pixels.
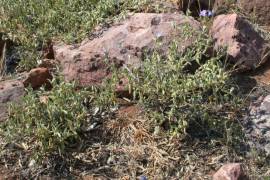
[
  {"x": 206, "y": 13},
  {"x": 143, "y": 177}
]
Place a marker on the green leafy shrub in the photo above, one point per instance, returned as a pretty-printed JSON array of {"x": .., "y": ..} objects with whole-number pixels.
[
  {"x": 46, "y": 120},
  {"x": 178, "y": 94},
  {"x": 31, "y": 23},
  {"x": 49, "y": 121}
]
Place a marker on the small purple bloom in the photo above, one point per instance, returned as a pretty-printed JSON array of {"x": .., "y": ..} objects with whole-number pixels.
[
  {"x": 143, "y": 177},
  {"x": 206, "y": 13}
]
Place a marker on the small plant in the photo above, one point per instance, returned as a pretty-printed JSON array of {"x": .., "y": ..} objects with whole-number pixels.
[
  {"x": 178, "y": 95},
  {"x": 48, "y": 122}
]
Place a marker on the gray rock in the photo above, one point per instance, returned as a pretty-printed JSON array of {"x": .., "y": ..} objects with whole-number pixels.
[
  {"x": 10, "y": 91},
  {"x": 258, "y": 125}
]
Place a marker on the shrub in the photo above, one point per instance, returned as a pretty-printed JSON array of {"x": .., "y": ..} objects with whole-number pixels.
[
  {"x": 178, "y": 95},
  {"x": 48, "y": 122},
  {"x": 44, "y": 121}
]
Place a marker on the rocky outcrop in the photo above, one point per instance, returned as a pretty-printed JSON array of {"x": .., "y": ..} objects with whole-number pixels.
[
  {"x": 122, "y": 45},
  {"x": 232, "y": 171},
  {"x": 245, "y": 47},
  {"x": 11, "y": 91}
]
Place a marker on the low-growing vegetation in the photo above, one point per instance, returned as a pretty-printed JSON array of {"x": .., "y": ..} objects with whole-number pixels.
[
  {"x": 48, "y": 122},
  {"x": 176, "y": 100},
  {"x": 181, "y": 117},
  {"x": 178, "y": 94}
]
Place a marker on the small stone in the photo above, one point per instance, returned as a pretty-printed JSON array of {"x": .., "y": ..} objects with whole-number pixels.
[
  {"x": 47, "y": 63},
  {"x": 265, "y": 105},
  {"x": 267, "y": 149},
  {"x": 157, "y": 130},
  {"x": 232, "y": 171},
  {"x": 38, "y": 77},
  {"x": 44, "y": 99},
  {"x": 32, "y": 163},
  {"x": 11, "y": 91}
]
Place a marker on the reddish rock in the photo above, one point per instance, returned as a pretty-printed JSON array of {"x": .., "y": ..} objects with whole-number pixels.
[
  {"x": 38, "y": 77},
  {"x": 245, "y": 47},
  {"x": 10, "y": 91},
  {"x": 233, "y": 171},
  {"x": 122, "y": 44},
  {"x": 257, "y": 8}
]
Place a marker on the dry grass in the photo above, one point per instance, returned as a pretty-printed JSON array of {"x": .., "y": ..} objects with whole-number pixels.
[{"x": 127, "y": 145}]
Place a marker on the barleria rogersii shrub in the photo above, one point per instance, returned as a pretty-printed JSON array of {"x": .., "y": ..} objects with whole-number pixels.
[
  {"x": 49, "y": 121},
  {"x": 185, "y": 88}
]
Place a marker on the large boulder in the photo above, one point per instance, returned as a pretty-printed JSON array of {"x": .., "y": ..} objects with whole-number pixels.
[
  {"x": 245, "y": 47},
  {"x": 258, "y": 8},
  {"x": 124, "y": 45},
  {"x": 11, "y": 91}
]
